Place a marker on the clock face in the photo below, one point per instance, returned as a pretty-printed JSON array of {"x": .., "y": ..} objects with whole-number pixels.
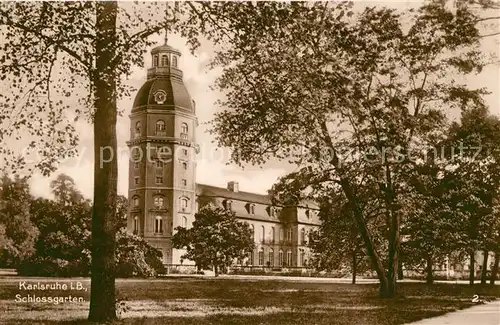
[{"x": 160, "y": 97}]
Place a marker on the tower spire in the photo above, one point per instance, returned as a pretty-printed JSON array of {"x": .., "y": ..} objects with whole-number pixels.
[{"x": 166, "y": 35}]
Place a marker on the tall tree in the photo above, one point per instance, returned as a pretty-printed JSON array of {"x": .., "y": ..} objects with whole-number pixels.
[
  {"x": 58, "y": 50},
  {"x": 329, "y": 82},
  {"x": 215, "y": 239},
  {"x": 19, "y": 234}
]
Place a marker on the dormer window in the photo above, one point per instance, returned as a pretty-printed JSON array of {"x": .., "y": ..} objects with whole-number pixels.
[
  {"x": 137, "y": 131},
  {"x": 228, "y": 204},
  {"x": 271, "y": 211},
  {"x": 160, "y": 128},
  {"x": 308, "y": 214},
  {"x": 251, "y": 208},
  {"x": 174, "y": 61}
]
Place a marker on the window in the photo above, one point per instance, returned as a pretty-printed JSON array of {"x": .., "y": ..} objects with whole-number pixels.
[
  {"x": 253, "y": 231},
  {"x": 136, "y": 225},
  {"x": 160, "y": 164},
  {"x": 282, "y": 234},
  {"x": 164, "y": 61},
  {"x": 280, "y": 258},
  {"x": 271, "y": 211},
  {"x": 155, "y": 61},
  {"x": 185, "y": 152},
  {"x": 137, "y": 132},
  {"x": 228, "y": 204},
  {"x": 303, "y": 236},
  {"x": 308, "y": 214},
  {"x": 271, "y": 257},
  {"x": 184, "y": 182},
  {"x": 289, "y": 258},
  {"x": 302, "y": 258},
  {"x": 159, "y": 202},
  {"x": 184, "y": 128},
  {"x": 251, "y": 209},
  {"x": 184, "y": 166},
  {"x": 136, "y": 201},
  {"x": 174, "y": 61},
  {"x": 289, "y": 234},
  {"x": 272, "y": 235},
  {"x": 158, "y": 225},
  {"x": 136, "y": 180},
  {"x": 184, "y": 204},
  {"x": 160, "y": 128},
  {"x": 261, "y": 256},
  {"x": 251, "y": 258},
  {"x": 184, "y": 222},
  {"x": 159, "y": 180},
  {"x": 262, "y": 233}
]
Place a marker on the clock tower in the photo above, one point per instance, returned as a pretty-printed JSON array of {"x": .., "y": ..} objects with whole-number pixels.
[{"x": 162, "y": 151}]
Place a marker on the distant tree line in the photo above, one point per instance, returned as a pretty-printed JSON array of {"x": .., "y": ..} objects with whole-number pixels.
[{"x": 51, "y": 237}]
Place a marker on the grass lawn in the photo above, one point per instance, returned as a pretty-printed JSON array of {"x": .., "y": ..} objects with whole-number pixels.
[{"x": 178, "y": 301}]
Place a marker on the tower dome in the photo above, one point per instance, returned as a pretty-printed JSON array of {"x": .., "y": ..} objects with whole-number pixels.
[{"x": 164, "y": 88}]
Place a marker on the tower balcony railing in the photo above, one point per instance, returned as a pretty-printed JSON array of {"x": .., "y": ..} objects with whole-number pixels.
[{"x": 268, "y": 241}]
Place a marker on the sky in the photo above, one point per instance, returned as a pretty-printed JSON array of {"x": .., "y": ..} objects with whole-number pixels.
[{"x": 212, "y": 167}]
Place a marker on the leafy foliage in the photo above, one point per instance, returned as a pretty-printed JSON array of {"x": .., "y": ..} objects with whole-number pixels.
[{"x": 215, "y": 239}]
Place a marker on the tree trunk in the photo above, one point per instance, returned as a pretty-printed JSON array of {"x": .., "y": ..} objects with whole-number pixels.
[
  {"x": 484, "y": 268},
  {"x": 472, "y": 268},
  {"x": 375, "y": 259},
  {"x": 354, "y": 266},
  {"x": 216, "y": 271},
  {"x": 102, "y": 296},
  {"x": 429, "y": 279},
  {"x": 494, "y": 270}
]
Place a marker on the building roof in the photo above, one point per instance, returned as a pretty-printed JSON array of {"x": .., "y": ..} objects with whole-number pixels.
[
  {"x": 214, "y": 191},
  {"x": 176, "y": 94}
]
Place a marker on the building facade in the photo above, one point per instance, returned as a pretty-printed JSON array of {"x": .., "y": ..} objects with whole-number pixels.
[{"x": 163, "y": 192}]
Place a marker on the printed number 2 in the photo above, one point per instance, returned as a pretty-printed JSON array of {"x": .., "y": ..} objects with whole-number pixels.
[{"x": 475, "y": 298}]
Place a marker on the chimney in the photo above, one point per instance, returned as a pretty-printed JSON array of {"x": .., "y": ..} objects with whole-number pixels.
[{"x": 233, "y": 186}]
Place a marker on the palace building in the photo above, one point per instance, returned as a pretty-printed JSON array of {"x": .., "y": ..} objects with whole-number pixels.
[{"x": 163, "y": 193}]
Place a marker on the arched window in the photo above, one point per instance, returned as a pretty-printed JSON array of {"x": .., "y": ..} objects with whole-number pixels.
[
  {"x": 164, "y": 61},
  {"x": 280, "y": 257},
  {"x": 184, "y": 128},
  {"x": 303, "y": 236},
  {"x": 158, "y": 225},
  {"x": 271, "y": 257},
  {"x": 135, "y": 201},
  {"x": 289, "y": 234},
  {"x": 302, "y": 258},
  {"x": 184, "y": 203},
  {"x": 261, "y": 256},
  {"x": 174, "y": 61},
  {"x": 184, "y": 166},
  {"x": 289, "y": 258},
  {"x": 253, "y": 231},
  {"x": 136, "y": 225},
  {"x": 137, "y": 131},
  {"x": 184, "y": 222},
  {"x": 262, "y": 233},
  {"x": 155, "y": 61},
  {"x": 272, "y": 235},
  {"x": 159, "y": 202},
  {"x": 160, "y": 128}
]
